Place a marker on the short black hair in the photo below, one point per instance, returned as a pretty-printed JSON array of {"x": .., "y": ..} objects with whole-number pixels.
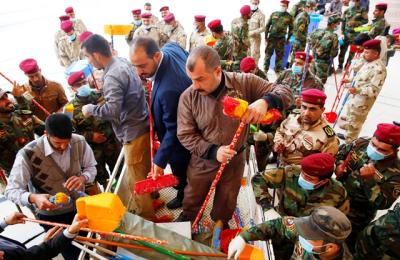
[
  {"x": 59, "y": 125},
  {"x": 149, "y": 45},
  {"x": 218, "y": 29},
  {"x": 97, "y": 43}
]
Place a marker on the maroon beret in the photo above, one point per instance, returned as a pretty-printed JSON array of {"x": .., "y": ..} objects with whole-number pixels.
[
  {"x": 83, "y": 36},
  {"x": 164, "y": 8},
  {"x": 318, "y": 164},
  {"x": 67, "y": 26},
  {"x": 29, "y": 66},
  {"x": 136, "y": 11},
  {"x": 372, "y": 44},
  {"x": 381, "y": 6},
  {"x": 247, "y": 64},
  {"x": 146, "y": 15},
  {"x": 302, "y": 56},
  {"x": 76, "y": 77},
  {"x": 388, "y": 133},
  {"x": 214, "y": 24},
  {"x": 245, "y": 10},
  {"x": 285, "y": 2},
  {"x": 64, "y": 18},
  {"x": 313, "y": 96},
  {"x": 200, "y": 18},
  {"x": 169, "y": 18},
  {"x": 69, "y": 10}
]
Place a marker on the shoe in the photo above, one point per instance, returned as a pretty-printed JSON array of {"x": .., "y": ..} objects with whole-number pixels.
[
  {"x": 396, "y": 123},
  {"x": 181, "y": 218},
  {"x": 265, "y": 204},
  {"x": 341, "y": 136},
  {"x": 175, "y": 203}
]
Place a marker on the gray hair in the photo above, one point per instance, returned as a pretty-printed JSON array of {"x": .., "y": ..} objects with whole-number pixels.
[{"x": 209, "y": 56}]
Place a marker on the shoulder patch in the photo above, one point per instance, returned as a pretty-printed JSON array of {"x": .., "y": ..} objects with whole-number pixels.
[
  {"x": 329, "y": 131},
  {"x": 288, "y": 222}
]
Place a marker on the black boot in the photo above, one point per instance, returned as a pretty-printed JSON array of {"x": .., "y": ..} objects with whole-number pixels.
[
  {"x": 177, "y": 202},
  {"x": 181, "y": 218}
]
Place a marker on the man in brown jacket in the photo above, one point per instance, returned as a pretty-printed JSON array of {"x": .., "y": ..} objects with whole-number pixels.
[
  {"x": 206, "y": 132},
  {"x": 49, "y": 94}
]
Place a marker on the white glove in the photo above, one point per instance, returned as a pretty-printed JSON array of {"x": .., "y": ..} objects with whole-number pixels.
[
  {"x": 236, "y": 247},
  {"x": 85, "y": 110}
]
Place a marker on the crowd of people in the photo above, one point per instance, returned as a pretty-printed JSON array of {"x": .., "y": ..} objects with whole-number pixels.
[{"x": 328, "y": 191}]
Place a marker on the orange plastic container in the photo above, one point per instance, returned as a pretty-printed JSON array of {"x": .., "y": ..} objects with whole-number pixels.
[
  {"x": 104, "y": 211},
  {"x": 251, "y": 253}
]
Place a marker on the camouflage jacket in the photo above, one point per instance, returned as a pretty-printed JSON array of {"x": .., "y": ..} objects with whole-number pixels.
[
  {"x": 230, "y": 65},
  {"x": 300, "y": 27},
  {"x": 298, "y": 202},
  {"x": 378, "y": 27},
  {"x": 197, "y": 39},
  {"x": 240, "y": 34},
  {"x": 16, "y": 130},
  {"x": 224, "y": 46},
  {"x": 353, "y": 17},
  {"x": 177, "y": 34},
  {"x": 297, "y": 8},
  {"x": 256, "y": 23},
  {"x": 79, "y": 26},
  {"x": 324, "y": 44},
  {"x": 86, "y": 126},
  {"x": 279, "y": 24},
  {"x": 381, "y": 238},
  {"x": 367, "y": 196},
  {"x": 152, "y": 32},
  {"x": 283, "y": 229},
  {"x": 130, "y": 35},
  {"x": 69, "y": 52},
  {"x": 287, "y": 78},
  {"x": 261, "y": 74}
]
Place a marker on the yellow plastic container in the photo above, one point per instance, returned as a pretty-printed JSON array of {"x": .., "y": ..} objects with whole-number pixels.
[
  {"x": 117, "y": 29},
  {"x": 104, "y": 211}
]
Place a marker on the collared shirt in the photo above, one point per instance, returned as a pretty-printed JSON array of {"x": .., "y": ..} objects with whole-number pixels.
[
  {"x": 20, "y": 174},
  {"x": 159, "y": 64}
]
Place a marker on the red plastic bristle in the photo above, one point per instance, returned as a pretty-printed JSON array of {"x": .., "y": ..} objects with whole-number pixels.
[
  {"x": 230, "y": 105},
  {"x": 150, "y": 185}
]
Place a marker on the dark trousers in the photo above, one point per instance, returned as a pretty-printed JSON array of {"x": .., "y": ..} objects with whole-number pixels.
[{"x": 179, "y": 167}]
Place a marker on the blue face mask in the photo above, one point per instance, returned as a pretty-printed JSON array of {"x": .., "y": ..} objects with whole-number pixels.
[
  {"x": 72, "y": 37},
  {"x": 137, "y": 22},
  {"x": 374, "y": 154},
  {"x": 305, "y": 184},
  {"x": 84, "y": 91},
  {"x": 308, "y": 247},
  {"x": 296, "y": 70}
]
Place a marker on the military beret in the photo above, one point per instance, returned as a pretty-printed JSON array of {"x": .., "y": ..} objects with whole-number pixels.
[
  {"x": 313, "y": 96},
  {"x": 334, "y": 19},
  {"x": 388, "y": 133},
  {"x": 318, "y": 164},
  {"x": 245, "y": 10},
  {"x": 75, "y": 77},
  {"x": 215, "y": 25},
  {"x": 285, "y": 2},
  {"x": 164, "y": 8},
  {"x": 64, "y": 18},
  {"x": 200, "y": 18},
  {"x": 381, "y": 6},
  {"x": 396, "y": 31},
  {"x": 136, "y": 11},
  {"x": 325, "y": 223},
  {"x": 69, "y": 10},
  {"x": 84, "y": 36},
  {"x": 372, "y": 44},
  {"x": 29, "y": 66},
  {"x": 67, "y": 26},
  {"x": 146, "y": 15},
  {"x": 247, "y": 64},
  {"x": 169, "y": 18},
  {"x": 303, "y": 55},
  {"x": 59, "y": 125}
]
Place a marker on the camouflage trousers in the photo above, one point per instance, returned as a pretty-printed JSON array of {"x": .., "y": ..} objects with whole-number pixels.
[
  {"x": 277, "y": 45},
  {"x": 255, "y": 43},
  {"x": 320, "y": 68},
  {"x": 260, "y": 188},
  {"x": 297, "y": 46},
  {"x": 343, "y": 50},
  {"x": 357, "y": 111},
  {"x": 105, "y": 154}
]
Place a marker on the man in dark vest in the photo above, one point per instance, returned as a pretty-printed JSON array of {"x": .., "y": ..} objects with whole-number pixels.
[{"x": 59, "y": 161}]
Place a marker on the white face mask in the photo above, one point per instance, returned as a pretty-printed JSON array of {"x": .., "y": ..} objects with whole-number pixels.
[
  {"x": 254, "y": 7},
  {"x": 283, "y": 8},
  {"x": 352, "y": 4}
]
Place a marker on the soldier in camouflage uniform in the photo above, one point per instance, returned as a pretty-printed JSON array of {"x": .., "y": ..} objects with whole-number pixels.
[
  {"x": 302, "y": 187},
  {"x": 224, "y": 44},
  {"x": 154, "y": 19},
  {"x": 319, "y": 236},
  {"x": 325, "y": 46},
  {"x": 97, "y": 132},
  {"x": 365, "y": 88},
  {"x": 306, "y": 133},
  {"x": 240, "y": 33},
  {"x": 149, "y": 30},
  {"x": 256, "y": 28},
  {"x": 297, "y": 8},
  {"x": 137, "y": 22},
  {"x": 249, "y": 65},
  {"x": 278, "y": 26},
  {"x": 370, "y": 171},
  {"x": 17, "y": 128},
  {"x": 197, "y": 38},
  {"x": 379, "y": 25},
  {"x": 381, "y": 238},
  {"x": 59, "y": 34},
  {"x": 69, "y": 47},
  {"x": 353, "y": 17},
  {"x": 174, "y": 31},
  {"x": 78, "y": 23}
]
